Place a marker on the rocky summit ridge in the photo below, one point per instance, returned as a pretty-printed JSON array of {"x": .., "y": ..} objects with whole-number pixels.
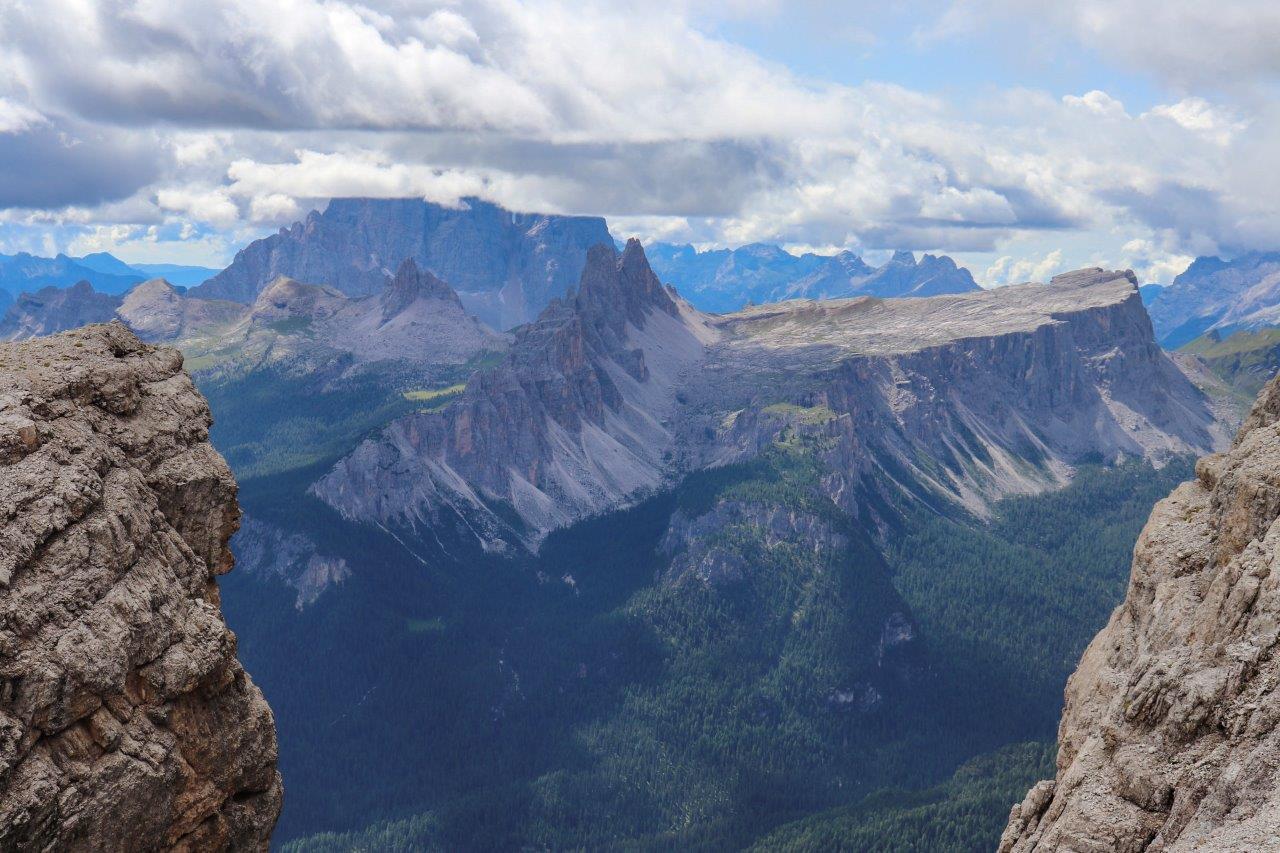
[
  {"x": 415, "y": 318},
  {"x": 506, "y": 266},
  {"x": 728, "y": 279},
  {"x": 574, "y": 420},
  {"x": 624, "y": 387},
  {"x": 1170, "y": 737},
  {"x": 126, "y": 722}
]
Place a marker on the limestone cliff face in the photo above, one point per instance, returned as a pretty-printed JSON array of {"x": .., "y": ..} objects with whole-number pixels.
[
  {"x": 625, "y": 388},
  {"x": 1170, "y": 738},
  {"x": 506, "y": 266},
  {"x": 126, "y": 722},
  {"x": 574, "y": 421}
]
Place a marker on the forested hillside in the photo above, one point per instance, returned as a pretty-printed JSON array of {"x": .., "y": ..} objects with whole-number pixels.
[{"x": 607, "y": 693}]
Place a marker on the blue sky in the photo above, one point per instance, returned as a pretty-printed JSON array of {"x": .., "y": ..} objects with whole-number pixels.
[
  {"x": 1024, "y": 137},
  {"x": 891, "y": 47}
]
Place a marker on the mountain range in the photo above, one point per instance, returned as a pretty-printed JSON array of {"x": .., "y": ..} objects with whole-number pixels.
[
  {"x": 783, "y": 518},
  {"x": 802, "y": 574},
  {"x": 722, "y": 280},
  {"x": 505, "y": 266},
  {"x": 625, "y": 386},
  {"x": 26, "y": 273},
  {"x": 415, "y": 319},
  {"x": 1217, "y": 295}
]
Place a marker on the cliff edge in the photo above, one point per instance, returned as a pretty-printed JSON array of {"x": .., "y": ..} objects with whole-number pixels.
[
  {"x": 1170, "y": 738},
  {"x": 126, "y": 722}
]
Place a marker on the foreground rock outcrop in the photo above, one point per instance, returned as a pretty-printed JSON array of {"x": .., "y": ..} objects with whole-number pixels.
[
  {"x": 1170, "y": 738},
  {"x": 126, "y": 722}
]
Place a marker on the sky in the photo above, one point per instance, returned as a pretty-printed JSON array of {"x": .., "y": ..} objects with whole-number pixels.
[{"x": 1022, "y": 137}]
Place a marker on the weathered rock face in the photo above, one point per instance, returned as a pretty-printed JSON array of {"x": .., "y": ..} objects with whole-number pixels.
[
  {"x": 574, "y": 421},
  {"x": 126, "y": 722},
  {"x": 625, "y": 388},
  {"x": 1170, "y": 738},
  {"x": 506, "y": 266},
  {"x": 156, "y": 311}
]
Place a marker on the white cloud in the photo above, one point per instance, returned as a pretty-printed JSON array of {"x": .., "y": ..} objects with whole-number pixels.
[
  {"x": 1197, "y": 114},
  {"x": 1097, "y": 102},
  {"x": 237, "y": 114},
  {"x": 1152, "y": 263},
  {"x": 274, "y": 207},
  {"x": 1010, "y": 270},
  {"x": 1188, "y": 43},
  {"x": 17, "y": 118},
  {"x": 213, "y": 205},
  {"x": 315, "y": 175}
]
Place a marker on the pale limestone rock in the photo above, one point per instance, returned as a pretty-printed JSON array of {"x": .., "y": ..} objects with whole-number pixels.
[
  {"x": 1170, "y": 738},
  {"x": 126, "y": 722},
  {"x": 624, "y": 388}
]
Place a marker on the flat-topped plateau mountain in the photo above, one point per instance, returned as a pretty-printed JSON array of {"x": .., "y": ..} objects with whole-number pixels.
[
  {"x": 126, "y": 721},
  {"x": 624, "y": 387}
]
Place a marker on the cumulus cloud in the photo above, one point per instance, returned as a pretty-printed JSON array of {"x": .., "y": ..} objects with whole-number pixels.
[
  {"x": 1098, "y": 103},
  {"x": 1010, "y": 270},
  {"x": 1153, "y": 263},
  {"x": 1216, "y": 123},
  {"x": 18, "y": 118},
  {"x": 212, "y": 205},
  {"x": 233, "y": 115}
]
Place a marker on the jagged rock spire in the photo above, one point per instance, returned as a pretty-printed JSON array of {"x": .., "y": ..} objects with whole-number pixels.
[
  {"x": 619, "y": 288},
  {"x": 409, "y": 284}
]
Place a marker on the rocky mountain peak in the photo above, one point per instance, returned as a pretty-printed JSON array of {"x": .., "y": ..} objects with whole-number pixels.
[
  {"x": 410, "y": 284},
  {"x": 938, "y": 261},
  {"x": 617, "y": 288},
  {"x": 903, "y": 257},
  {"x": 285, "y": 299},
  {"x": 853, "y": 264},
  {"x": 126, "y": 722},
  {"x": 155, "y": 289},
  {"x": 157, "y": 311}
]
